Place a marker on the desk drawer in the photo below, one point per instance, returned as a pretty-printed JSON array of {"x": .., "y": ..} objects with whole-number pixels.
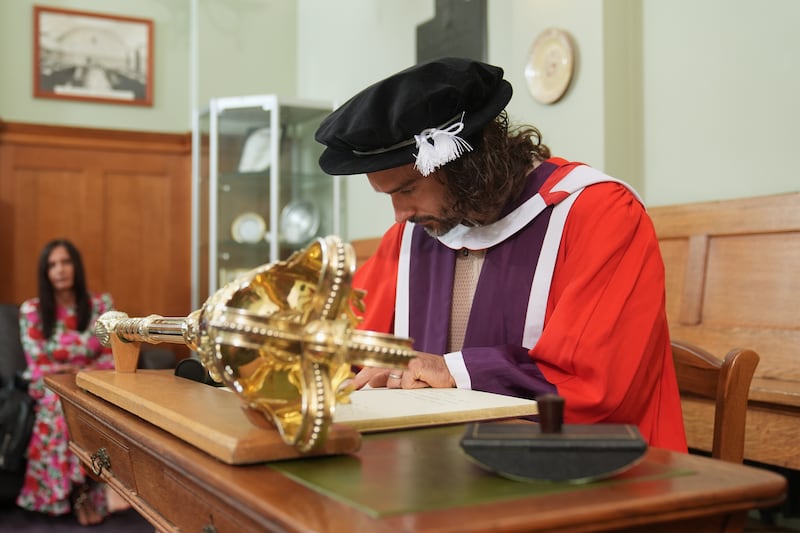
[
  {"x": 92, "y": 437},
  {"x": 181, "y": 501}
]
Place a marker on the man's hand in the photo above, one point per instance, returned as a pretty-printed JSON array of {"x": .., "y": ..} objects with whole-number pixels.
[{"x": 425, "y": 370}]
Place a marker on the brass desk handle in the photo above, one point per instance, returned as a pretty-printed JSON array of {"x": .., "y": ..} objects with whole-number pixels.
[{"x": 100, "y": 460}]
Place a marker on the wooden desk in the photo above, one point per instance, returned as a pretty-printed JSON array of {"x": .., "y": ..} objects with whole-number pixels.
[{"x": 177, "y": 487}]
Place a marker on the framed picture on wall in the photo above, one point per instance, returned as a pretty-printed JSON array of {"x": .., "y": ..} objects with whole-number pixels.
[{"x": 92, "y": 57}]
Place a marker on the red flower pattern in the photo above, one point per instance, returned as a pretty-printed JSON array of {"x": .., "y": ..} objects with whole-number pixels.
[
  {"x": 53, "y": 470},
  {"x": 61, "y": 355}
]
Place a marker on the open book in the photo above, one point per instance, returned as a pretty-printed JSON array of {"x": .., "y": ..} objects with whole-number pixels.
[{"x": 383, "y": 409}]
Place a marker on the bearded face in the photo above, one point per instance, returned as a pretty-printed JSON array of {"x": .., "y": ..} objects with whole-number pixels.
[{"x": 436, "y": 226}]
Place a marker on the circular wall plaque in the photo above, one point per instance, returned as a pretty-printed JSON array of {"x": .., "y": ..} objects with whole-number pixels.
[{"x": 551, "y": 62}]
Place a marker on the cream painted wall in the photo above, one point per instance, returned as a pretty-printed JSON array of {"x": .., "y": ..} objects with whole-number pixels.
[
  {"x": 707, "y": 107},
  {"x": 687, "y": 100},
  {"x": 170, "y": 111},
  {"x": 722, "y": 98},
  {"x": 368, "y": 41},
  {"x": 573, "y": 127},
  {"x": 371, "y": 40},
  {"x": 245, "y": 47}
]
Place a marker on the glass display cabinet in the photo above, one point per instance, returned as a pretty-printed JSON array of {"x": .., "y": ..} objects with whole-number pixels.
[{"x": 258, "y": 191}]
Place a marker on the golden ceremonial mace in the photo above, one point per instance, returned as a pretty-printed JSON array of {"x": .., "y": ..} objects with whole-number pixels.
[{"x": 282, "y": 337}]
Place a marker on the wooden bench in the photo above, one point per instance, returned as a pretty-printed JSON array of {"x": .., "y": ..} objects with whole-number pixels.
[{"x": 733, "y": 280}]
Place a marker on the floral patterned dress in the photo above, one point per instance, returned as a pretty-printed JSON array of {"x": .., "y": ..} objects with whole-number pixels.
[{"x": 53, "y": 471}]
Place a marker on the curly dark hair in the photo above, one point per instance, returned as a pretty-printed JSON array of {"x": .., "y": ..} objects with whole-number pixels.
[
  {"x": 483, "y": 181},
  {"x": 47, "y": 298}
]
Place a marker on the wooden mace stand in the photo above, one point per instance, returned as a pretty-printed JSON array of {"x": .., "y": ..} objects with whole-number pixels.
[{"x": 212, "y": 419}]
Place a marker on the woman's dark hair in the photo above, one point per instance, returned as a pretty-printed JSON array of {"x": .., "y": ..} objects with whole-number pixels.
[
  {"x": 485, "y": 179},
  {"x": 47, "y": 297}
]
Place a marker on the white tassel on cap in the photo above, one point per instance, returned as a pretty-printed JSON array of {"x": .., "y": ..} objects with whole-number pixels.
[{"x": 436, "y": 147}]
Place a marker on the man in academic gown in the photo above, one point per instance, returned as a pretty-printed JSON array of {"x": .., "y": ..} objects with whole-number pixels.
[{"x": 513, "y": 272}]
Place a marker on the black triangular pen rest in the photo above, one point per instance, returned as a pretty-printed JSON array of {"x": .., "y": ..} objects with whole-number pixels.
[{"x": 576, "y": 452}]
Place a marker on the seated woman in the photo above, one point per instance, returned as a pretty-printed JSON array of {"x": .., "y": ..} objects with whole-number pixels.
[{"x": 57, "y": 332}]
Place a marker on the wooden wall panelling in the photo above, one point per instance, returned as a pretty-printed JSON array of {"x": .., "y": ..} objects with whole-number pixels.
[
  {"x": 693, "y": 288},
  {"x": 365, "y": 248},
  {"x": 124, "y": 198}
]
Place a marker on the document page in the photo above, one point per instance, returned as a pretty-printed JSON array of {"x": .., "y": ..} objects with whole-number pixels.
[{"x": 382, "y": 409}]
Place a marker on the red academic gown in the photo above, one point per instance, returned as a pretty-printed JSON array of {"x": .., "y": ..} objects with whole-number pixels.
[{"x": 604, "y": 343}]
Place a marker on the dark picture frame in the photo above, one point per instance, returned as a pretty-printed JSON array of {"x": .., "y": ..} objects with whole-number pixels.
[{"x": 92, "y": 57}]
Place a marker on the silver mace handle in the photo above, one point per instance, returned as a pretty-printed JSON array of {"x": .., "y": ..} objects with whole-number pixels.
[
  {"x": 359, "y": 347},
  {"x": 153, "y": 329}
]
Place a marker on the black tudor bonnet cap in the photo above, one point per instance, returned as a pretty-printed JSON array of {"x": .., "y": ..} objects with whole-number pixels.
[{"x": 443, "y": 102}]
